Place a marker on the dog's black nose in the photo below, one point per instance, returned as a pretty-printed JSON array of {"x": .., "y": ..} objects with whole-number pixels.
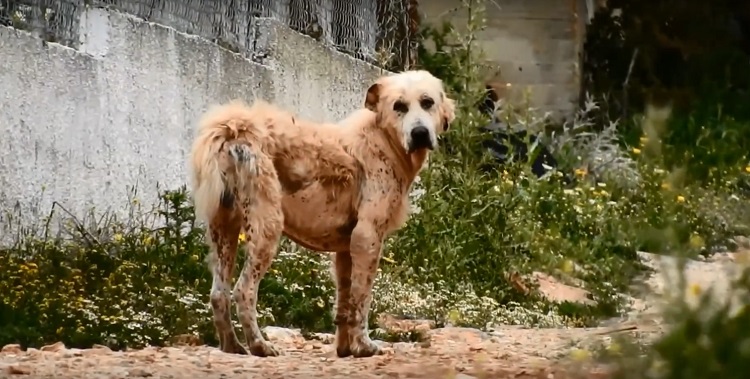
[{"x": 420, "y": 138}]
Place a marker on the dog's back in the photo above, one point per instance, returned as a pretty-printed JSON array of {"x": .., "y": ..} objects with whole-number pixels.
[{"x": 234, "y": 138}]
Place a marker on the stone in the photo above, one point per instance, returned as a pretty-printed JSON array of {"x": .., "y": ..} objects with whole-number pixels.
[
  {"x": 18, "y": 370},
  {"x": 12, "y": 349},
  {"x": 139, "y": 372},
  {"x": 277, "y": 334},
  {"x": 53, "y": 348}
]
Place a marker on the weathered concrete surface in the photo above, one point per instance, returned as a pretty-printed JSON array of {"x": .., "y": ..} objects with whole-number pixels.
[
  {"x": 535, "y": 45},
  {"x": 81, "y": 126}
]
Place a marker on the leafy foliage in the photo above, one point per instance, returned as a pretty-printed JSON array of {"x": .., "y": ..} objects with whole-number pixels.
[{"x": 651, "y": 52}]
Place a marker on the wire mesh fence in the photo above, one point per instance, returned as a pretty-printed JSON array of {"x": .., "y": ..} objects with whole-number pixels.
[{"x": 381, "y": 32}]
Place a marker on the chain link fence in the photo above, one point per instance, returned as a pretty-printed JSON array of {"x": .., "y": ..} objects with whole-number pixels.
[{"x": 381, "y": 32}]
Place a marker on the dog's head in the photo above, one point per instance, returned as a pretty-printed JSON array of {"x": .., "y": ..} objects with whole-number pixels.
[{"x": 414, "y": 105}]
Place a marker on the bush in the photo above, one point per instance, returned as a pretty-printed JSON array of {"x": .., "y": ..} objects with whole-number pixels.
[
  {"x": 707, "y": 337},
  {"x": 477, "y": 230},
  {"x": 122, "y": 285},
  {"x": 132, "y": 285}
]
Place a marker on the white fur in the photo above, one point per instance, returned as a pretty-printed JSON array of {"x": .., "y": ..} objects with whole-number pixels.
[{"x": 405, "y": 83}]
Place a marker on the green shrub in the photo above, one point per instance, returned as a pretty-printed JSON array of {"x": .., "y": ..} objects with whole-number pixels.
[
  {"x": 116, "y": 284},
  {"x": 477, "y": 229},
  {"x": 707, "y": 337},
  {"x": 131, "y": 285},
  {"x": 708, "y": 340}
]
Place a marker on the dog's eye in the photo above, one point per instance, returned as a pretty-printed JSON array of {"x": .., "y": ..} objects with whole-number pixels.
[
  {"x": 400, "y": 107},
  {"x": 426, "y": 103}
]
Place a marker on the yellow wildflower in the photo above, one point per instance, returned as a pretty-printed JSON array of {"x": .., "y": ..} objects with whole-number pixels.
[
  {"x": 614, "y": 348},
  {"x": 242, "y": 237},
  {"x": 388, "y": 259},
  {"x": 580, "y": 172},
  {"x": 696, "y": 241},
  {"x": 747, "y": 168},
  {"x": 454, "y": 316},
  {"x": 579, "y": 354},
  {"x": 695, "y": 289},
  {"x": 680, "y": 199},
  {"x": 568, "y": 266},
  {"x": 643, "y": 140},
  {"x": 636, "y": 150},
  {"x": 117, "y": 237}
]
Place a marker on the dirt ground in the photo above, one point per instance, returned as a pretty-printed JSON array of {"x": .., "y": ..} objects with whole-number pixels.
[
  {"x": 450, "y": 353},
  {"x": 464, "y": 353}
]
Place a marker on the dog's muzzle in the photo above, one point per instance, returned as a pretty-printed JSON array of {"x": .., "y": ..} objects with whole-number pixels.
[{"x": 420, "y": 139}]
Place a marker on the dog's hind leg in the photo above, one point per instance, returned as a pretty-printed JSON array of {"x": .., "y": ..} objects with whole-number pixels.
[
  {"x": 263, "y": 221},
  {"x": 343, "y": 278},
  {"x": 223, "y": 233}
]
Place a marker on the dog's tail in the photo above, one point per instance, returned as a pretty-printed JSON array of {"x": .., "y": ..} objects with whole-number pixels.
[{"x": 223, "y": 158}]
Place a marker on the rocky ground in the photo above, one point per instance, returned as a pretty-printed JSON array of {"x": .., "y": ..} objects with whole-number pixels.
[{"x": 509, "y": 352}]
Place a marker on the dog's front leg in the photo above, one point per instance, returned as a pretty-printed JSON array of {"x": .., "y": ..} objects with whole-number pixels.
[
  {"x": 342, "y": 264},
  {"x": 366, "y": 243}
]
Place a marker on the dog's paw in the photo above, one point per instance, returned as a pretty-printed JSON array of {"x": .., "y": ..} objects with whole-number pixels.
[
  {"x": 364, "y": 347},
  {"x": 342, "y": 342},
  {"x": 234, "y": 347},
  {"x": 343, "y": 351},
  {"x": 264, "y": 349}
]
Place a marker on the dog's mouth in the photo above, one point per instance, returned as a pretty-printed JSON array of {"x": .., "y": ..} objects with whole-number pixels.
[
  {"x": 420, "y": 144},
  {"x": 414, "y": 148},
  {"x": 420, "y": 139}
]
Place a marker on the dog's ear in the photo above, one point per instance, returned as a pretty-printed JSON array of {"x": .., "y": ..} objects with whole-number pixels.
[
  {"x": 448, "y": 112},
  {"x": 373, "y": 97}
]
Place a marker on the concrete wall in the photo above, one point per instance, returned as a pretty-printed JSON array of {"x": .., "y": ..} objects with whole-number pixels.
[
  {"x": 534, "y": 45},
  {"x": 79, "y": 126}
]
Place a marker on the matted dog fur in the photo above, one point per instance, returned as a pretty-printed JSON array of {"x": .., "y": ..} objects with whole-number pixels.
[{"x": 330, "y": 188}]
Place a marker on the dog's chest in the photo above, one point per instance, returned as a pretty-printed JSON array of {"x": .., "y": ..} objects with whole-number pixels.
[{"x": 398, "y": 213}]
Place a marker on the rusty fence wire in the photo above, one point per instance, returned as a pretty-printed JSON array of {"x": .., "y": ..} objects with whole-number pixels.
[{"x": 381, "y": 32}]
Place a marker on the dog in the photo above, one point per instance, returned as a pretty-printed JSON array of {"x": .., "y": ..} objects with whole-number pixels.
[
  {"x": 330, "y": 188},
  {"x": 243, "y": 159}
]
